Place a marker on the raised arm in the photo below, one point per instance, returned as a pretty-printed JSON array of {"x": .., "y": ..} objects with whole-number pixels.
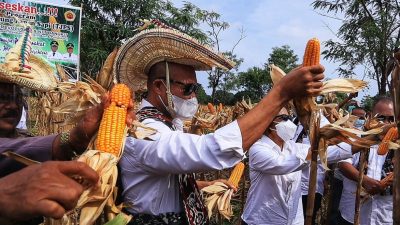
[{"x": 299, "y": 82}]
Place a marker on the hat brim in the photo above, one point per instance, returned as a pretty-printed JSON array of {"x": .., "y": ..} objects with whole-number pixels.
[
  {"x": 136, "y": 56},
  {"x": 41, "y": 78}
]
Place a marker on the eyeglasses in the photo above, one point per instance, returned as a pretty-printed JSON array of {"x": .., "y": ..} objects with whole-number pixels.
[
  {"x": 283, "y": 117},
  {"x": 188, "y": 89},
  {"x": 385, "y": 118}
]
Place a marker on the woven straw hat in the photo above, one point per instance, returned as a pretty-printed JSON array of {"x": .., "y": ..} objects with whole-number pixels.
[
  {"x": 137, "y": 55},
  {"x": 27, "y": 70}
]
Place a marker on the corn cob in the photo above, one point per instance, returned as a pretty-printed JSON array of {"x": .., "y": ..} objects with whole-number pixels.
[
  {"x": 220, "y": 107},
  {"x": 236, "y": 174},
  {"x": 391, "y": 135},
  {"x": 211, "y": 108},
  {"x": 120, "y": 94},
  {"x": 112, "y": 127},
  {"x": 312, "y": 53}
]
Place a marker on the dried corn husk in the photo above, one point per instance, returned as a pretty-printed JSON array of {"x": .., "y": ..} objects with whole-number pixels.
[
  {"x": 93, "y": 200},
  {"x": 218, "y": 198},
  {"x": 343, "y": 85},
  {"x": 141, "y": 131},
  {"x": 63, "y": 75},
  {"x": 105, "y": 77}
]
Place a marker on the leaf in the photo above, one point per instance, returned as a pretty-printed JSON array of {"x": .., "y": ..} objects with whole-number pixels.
[{"x": 120, "y": 219}]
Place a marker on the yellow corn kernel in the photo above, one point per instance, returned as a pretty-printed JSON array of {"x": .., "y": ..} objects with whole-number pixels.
[
  {"x": 121, "y": 95},
  {"x": 236, "y": 174},
  {"x": 391, "y": 135},
  {"x": 112, "y": 126},
  {"x": 312, "y": 53}
]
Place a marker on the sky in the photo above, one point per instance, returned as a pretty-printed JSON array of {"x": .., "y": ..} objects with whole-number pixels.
[{"x": 268, "y": 24}]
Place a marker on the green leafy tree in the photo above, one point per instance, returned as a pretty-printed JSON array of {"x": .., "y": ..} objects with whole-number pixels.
[
  {"x": 255, "y": 82},
  {"x": 368, "y": 36},
  {"x": 218, "y": 78},
  {"x": 284, "y": 58},
  {"x": 105, "y": 24},
  {"x": 224, "y": 97},
  {"x": 367, "y": 102},
  {"x": 202, "y": 96}
]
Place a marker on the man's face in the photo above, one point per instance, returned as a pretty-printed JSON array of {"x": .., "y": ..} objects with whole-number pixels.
[
  {"x": 360, "y": 113},
  {"x": 54, "y": 48},
  {"x": 70, "y": 50},
  {"x": 383, "y": 110},
  {"x": 182, "y": 79},
  {"x": 10, "y": 107},
  {"x": 283, "y": 115}
]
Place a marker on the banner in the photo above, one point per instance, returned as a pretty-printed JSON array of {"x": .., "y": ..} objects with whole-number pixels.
[{"x": 56, "y": 31}]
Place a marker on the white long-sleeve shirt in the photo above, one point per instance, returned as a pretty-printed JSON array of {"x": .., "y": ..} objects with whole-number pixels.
[
  {"x": 274, "y": 197},
  {"x": 149, "y": 169},
  {"x": 378, "y": 209}
]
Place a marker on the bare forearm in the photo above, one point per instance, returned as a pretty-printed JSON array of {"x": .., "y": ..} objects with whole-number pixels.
[
  {"x": 255, "y": 122},
  {"x": 349, "y": 171}
]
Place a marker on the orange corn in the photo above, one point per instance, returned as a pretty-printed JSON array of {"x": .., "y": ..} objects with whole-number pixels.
[
  {"x": 112, "y": 127},
  {"x": 220, "y": 107},
  {"x": 312, "y": 53},
  {"x": 236, "y": 174},
  {"x": 391, "y": 135},
  {"x": 121, "y": 95},
  {"x": 211, "y": 108}
]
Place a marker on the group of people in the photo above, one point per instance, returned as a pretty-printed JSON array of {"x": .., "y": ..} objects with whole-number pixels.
[
  {"x": 69, "y": 56},
  {"x": 157, "y": 174}
]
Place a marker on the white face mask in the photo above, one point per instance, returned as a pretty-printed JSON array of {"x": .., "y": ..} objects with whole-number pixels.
[
  {"x": 286, "y": 130},
  {"x": 184, "y": 108}
]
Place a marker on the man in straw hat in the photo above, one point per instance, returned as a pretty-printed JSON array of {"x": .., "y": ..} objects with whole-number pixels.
[
  {"x": 158, "y": 183},
  {"x": 45, "y": 189}
]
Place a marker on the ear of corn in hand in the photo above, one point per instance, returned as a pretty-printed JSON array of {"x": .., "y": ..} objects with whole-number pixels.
[
  {"x": 236, "y": 174},
  {"x": 312, "y": 53},
  {"x": 112, "y": 127}
]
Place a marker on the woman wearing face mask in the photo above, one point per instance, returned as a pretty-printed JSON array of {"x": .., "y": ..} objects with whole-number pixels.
[{"x": 276, "y": 164}]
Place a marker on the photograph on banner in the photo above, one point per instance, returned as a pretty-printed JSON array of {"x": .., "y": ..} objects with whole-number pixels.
[{"x": 56, "y": 31}]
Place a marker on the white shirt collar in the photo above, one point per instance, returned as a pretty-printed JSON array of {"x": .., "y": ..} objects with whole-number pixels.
[
  {"x": 145, "y": 103},
  {"x": 270, "y": 143}
]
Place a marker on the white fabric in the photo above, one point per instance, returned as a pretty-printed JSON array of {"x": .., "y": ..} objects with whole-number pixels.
[
  {"x": 378, "y": 209},
  {"x": 274, "y": 197},
  {"x": 22, "y": 121},
  {"x": 149, "y": 169},
  {"x": 57, "y": 56},
  {"x": 343, "y": 154},
  {"x": 70, "y": 58},
  {"x": 305, "y": 176}
]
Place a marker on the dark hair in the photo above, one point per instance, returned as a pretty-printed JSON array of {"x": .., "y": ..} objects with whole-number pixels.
[{"x": 383, "y": 99}]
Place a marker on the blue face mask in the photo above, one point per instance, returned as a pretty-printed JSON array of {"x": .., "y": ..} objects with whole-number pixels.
[{"x": 359, "y": 124}]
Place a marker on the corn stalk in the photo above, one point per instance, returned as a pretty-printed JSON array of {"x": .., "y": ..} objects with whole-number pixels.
[
  {"x": 363, "y": 164},
  {"x": 314, "y": 139}
]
